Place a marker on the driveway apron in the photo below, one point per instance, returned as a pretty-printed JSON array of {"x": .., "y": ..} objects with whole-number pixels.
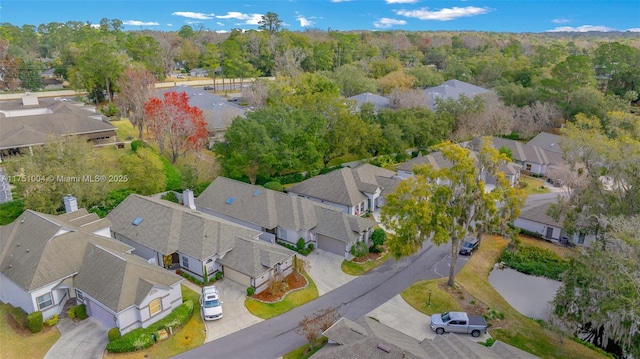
[{"x": 85, "y": 339}]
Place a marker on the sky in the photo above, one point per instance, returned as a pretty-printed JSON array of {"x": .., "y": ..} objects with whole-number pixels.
[{"x": 297, "y": 15}]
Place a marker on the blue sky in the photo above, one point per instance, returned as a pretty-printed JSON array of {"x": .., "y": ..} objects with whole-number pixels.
[{"x": 411, "y": 15}]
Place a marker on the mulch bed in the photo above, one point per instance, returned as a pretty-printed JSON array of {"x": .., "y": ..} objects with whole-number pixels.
[
  {"x": 294, "y": 282},
  {"x": 23, "y": 332},
  {"x": 370, "y": 256}
]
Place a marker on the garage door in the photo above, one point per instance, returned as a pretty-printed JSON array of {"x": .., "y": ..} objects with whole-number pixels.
[
  {"x": 331, "y": 245},
  {"x": 101, "y": 314},
  {"x": 237, "y": 277}
]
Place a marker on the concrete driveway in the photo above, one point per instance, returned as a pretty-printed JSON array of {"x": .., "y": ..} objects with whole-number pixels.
[
  {"x": 325, "y": 271},
  {"x": 236, "y": 316},
  {"x": 85, "y": 339},
  {"x": 399, "y": 315}
]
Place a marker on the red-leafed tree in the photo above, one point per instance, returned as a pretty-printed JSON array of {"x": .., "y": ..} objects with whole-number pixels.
[{"x": 172, "y": 122}]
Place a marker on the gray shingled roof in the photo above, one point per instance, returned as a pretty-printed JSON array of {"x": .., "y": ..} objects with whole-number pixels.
[
  {"x": 119, "y": 280},
  {"x": 341, "y": 226},
  {"x": 346, "y": 186},
  {"x": 451, "y": 89},
  {"x": 217, "y": 111},
  {"x": 365, "y": 339},
  {"x": 167, "y": 227},
  {"x": 379, "y": 102},
  {"x": 253, "y": 257},
  {"x": 257, "y": 205},
  {"x": 521, "y": 152},
  {"x": 546, "y": 141},
  {"x": 538, "y": 213},
  {"x": 59, "y": 118}
]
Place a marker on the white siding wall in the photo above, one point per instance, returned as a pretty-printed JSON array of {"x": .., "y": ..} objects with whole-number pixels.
[
  {"x": 129, "y": 319},
  {"x": 104, "y": 232},
  {"x": 58, "y": 296},
  {"x": 195, "y": 266},
  {"x": 13, "y": 294},
  {"x": 139, "y": 250},
  {"x": 132, "y": 318},
  {"x": 537, "y": 227}
]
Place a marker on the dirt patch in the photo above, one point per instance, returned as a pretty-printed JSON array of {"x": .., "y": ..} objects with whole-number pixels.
[
  {"x": 473, "y": 306},
  {"x": 370, "y": 256},
  {"x": 23, "y": 332},
  {"x": 292, "y": 282}
]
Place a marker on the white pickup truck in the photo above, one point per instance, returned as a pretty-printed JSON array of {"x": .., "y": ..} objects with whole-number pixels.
[{"x": 458, "y": 322}]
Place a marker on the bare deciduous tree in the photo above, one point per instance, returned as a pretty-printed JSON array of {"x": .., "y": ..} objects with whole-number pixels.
[
  {"x": 399, "y": 98},
  {"x": 136, "y": 86},
  {"x": 312, "y": 326},
  {"x": 531, "y": 120},
  {"x": 256, "y": 94}
]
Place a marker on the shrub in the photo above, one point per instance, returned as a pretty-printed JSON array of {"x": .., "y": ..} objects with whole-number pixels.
[
  {"x": 135, "y": 144},
  {"x": 218, "y": 275},
  {"x": 19, "y": 316},
  {"x": 489, "y": 342},
  {"x": 173, "y": 177},
  {"x": 378, "y": 237},
  {"x": 51, "y": 321},
  {"x": 535, "y": 261},
  {"x": 78, "y": 312},
  {"x": 250, "y": 291},
  {"x": 171, "y": 197},
  {"x": 359, "y": 249},
  {"x": 300, "y": 244},
  {"x": 110, "y": 109},
  {"x": 311, "y": 247},
  {"x": 141, "y": 338},
  {"x": 288, "y": 245},
  {"x": 375, "y": 249},
  {"x": 34, "y": 321},
  {"x": 113, "y": 334},
  {"x": 274, "y": 185}
]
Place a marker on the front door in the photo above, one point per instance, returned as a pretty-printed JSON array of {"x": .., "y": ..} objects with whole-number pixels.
[{"x": 549, "y": 232}]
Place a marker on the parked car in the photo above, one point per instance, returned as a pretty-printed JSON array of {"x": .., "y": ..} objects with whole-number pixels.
[
  {"x": 458, "y": 322},
  {"x": 468, "y": 246},
  {"x": 210, "y": 303},
  {"x": 208, "y": 87}
]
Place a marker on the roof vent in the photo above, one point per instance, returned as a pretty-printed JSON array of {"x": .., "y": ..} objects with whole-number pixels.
[
  {"x": 230, "y": 200},
  {"x": 256, "y": 193},
  {"x": 384, "y": 347},
  {"x": 137, "y": 221}
]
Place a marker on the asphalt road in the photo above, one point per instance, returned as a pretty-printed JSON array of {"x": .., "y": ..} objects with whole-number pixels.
[{"x": 275, "y": 337}]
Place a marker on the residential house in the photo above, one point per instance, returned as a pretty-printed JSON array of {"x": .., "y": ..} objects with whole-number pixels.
[
  {"x": 378, "y": 102},
  {"x": 437, "y": 161},
  {"x": 32, "y": 122},
  {"x": 218, "y": 113},
  {"x": 198, "y": 72},
  {"x": 45, "y": 260},
  {"x": 451, "y": 90},
  {"x": 281, "y": 217},
  {"x": 550, "y": 144},
  {"x": 352, "y": 190},
  {"x": 534, "y": 218},
  {"x": 533, "y": 159},
  {"x": 366, "y": 338},
  {"x": 197, "y": 243}
]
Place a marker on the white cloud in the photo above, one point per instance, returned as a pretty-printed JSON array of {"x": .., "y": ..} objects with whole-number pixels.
[
  {"x": 249, "y": 19},
  {"x": 140, "y": 23},
  {"x": 220, "y": 23},
  {"x": 304, "y": 22},
  {"x": 634, "y": 29},
  {"x": 560, "y": 21},
  {"x": 445, "y": 14},
  {"x": 401, "y": 1},
  {"x": 386, "y": 23},
  {"x": 193, "y": 15},
  {"x": 583, "y": 28}
]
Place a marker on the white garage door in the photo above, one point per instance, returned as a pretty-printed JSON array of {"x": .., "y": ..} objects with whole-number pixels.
[
  {"x": 237, "y": 277},
  {"x": 101, "y": 314},
  {"x": 331, "y": 245}
]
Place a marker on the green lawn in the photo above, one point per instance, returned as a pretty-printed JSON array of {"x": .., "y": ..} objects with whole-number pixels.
[
  {"x": 292, "y": 300},
  {"x": 190, "y": 336},
  {"x": 353, "y": 268},
  {"x": 303, "y": 351},
  {"x": 25, "y": 344},
  {"x": 533, "y": 185},
  {"x": 516, "y": 329},
  {"x": 417, "y": 295},
  {"x": 124, "y": 129}
]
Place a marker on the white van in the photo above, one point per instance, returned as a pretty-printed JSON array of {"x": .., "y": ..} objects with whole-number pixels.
[{"x": 210, "y": 303}]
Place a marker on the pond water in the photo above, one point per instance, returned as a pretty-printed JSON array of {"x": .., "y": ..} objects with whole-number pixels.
[{"x": 529, "y": 295}]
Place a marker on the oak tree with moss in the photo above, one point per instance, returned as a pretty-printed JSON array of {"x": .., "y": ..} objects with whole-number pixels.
[{"x": 449, "y": 204}]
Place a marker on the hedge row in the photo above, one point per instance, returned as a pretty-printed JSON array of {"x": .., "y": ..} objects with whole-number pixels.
[
  {"x": 535, "y": 261},
  {"x": 304, "y": 251},
  {"x": 142, "y": 338}
]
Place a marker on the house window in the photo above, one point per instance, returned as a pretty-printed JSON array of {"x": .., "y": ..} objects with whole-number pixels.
[
  {"x": 185, "y": 262},
  {"x": 44, "y": 301},
  {"x": 155, "y": 307},
  {"x": 527, "y": 166},
  {"x": 581, "y": 237},
  {"x": 79, "y": 296},
  {"x": 283, "y": 233}
]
